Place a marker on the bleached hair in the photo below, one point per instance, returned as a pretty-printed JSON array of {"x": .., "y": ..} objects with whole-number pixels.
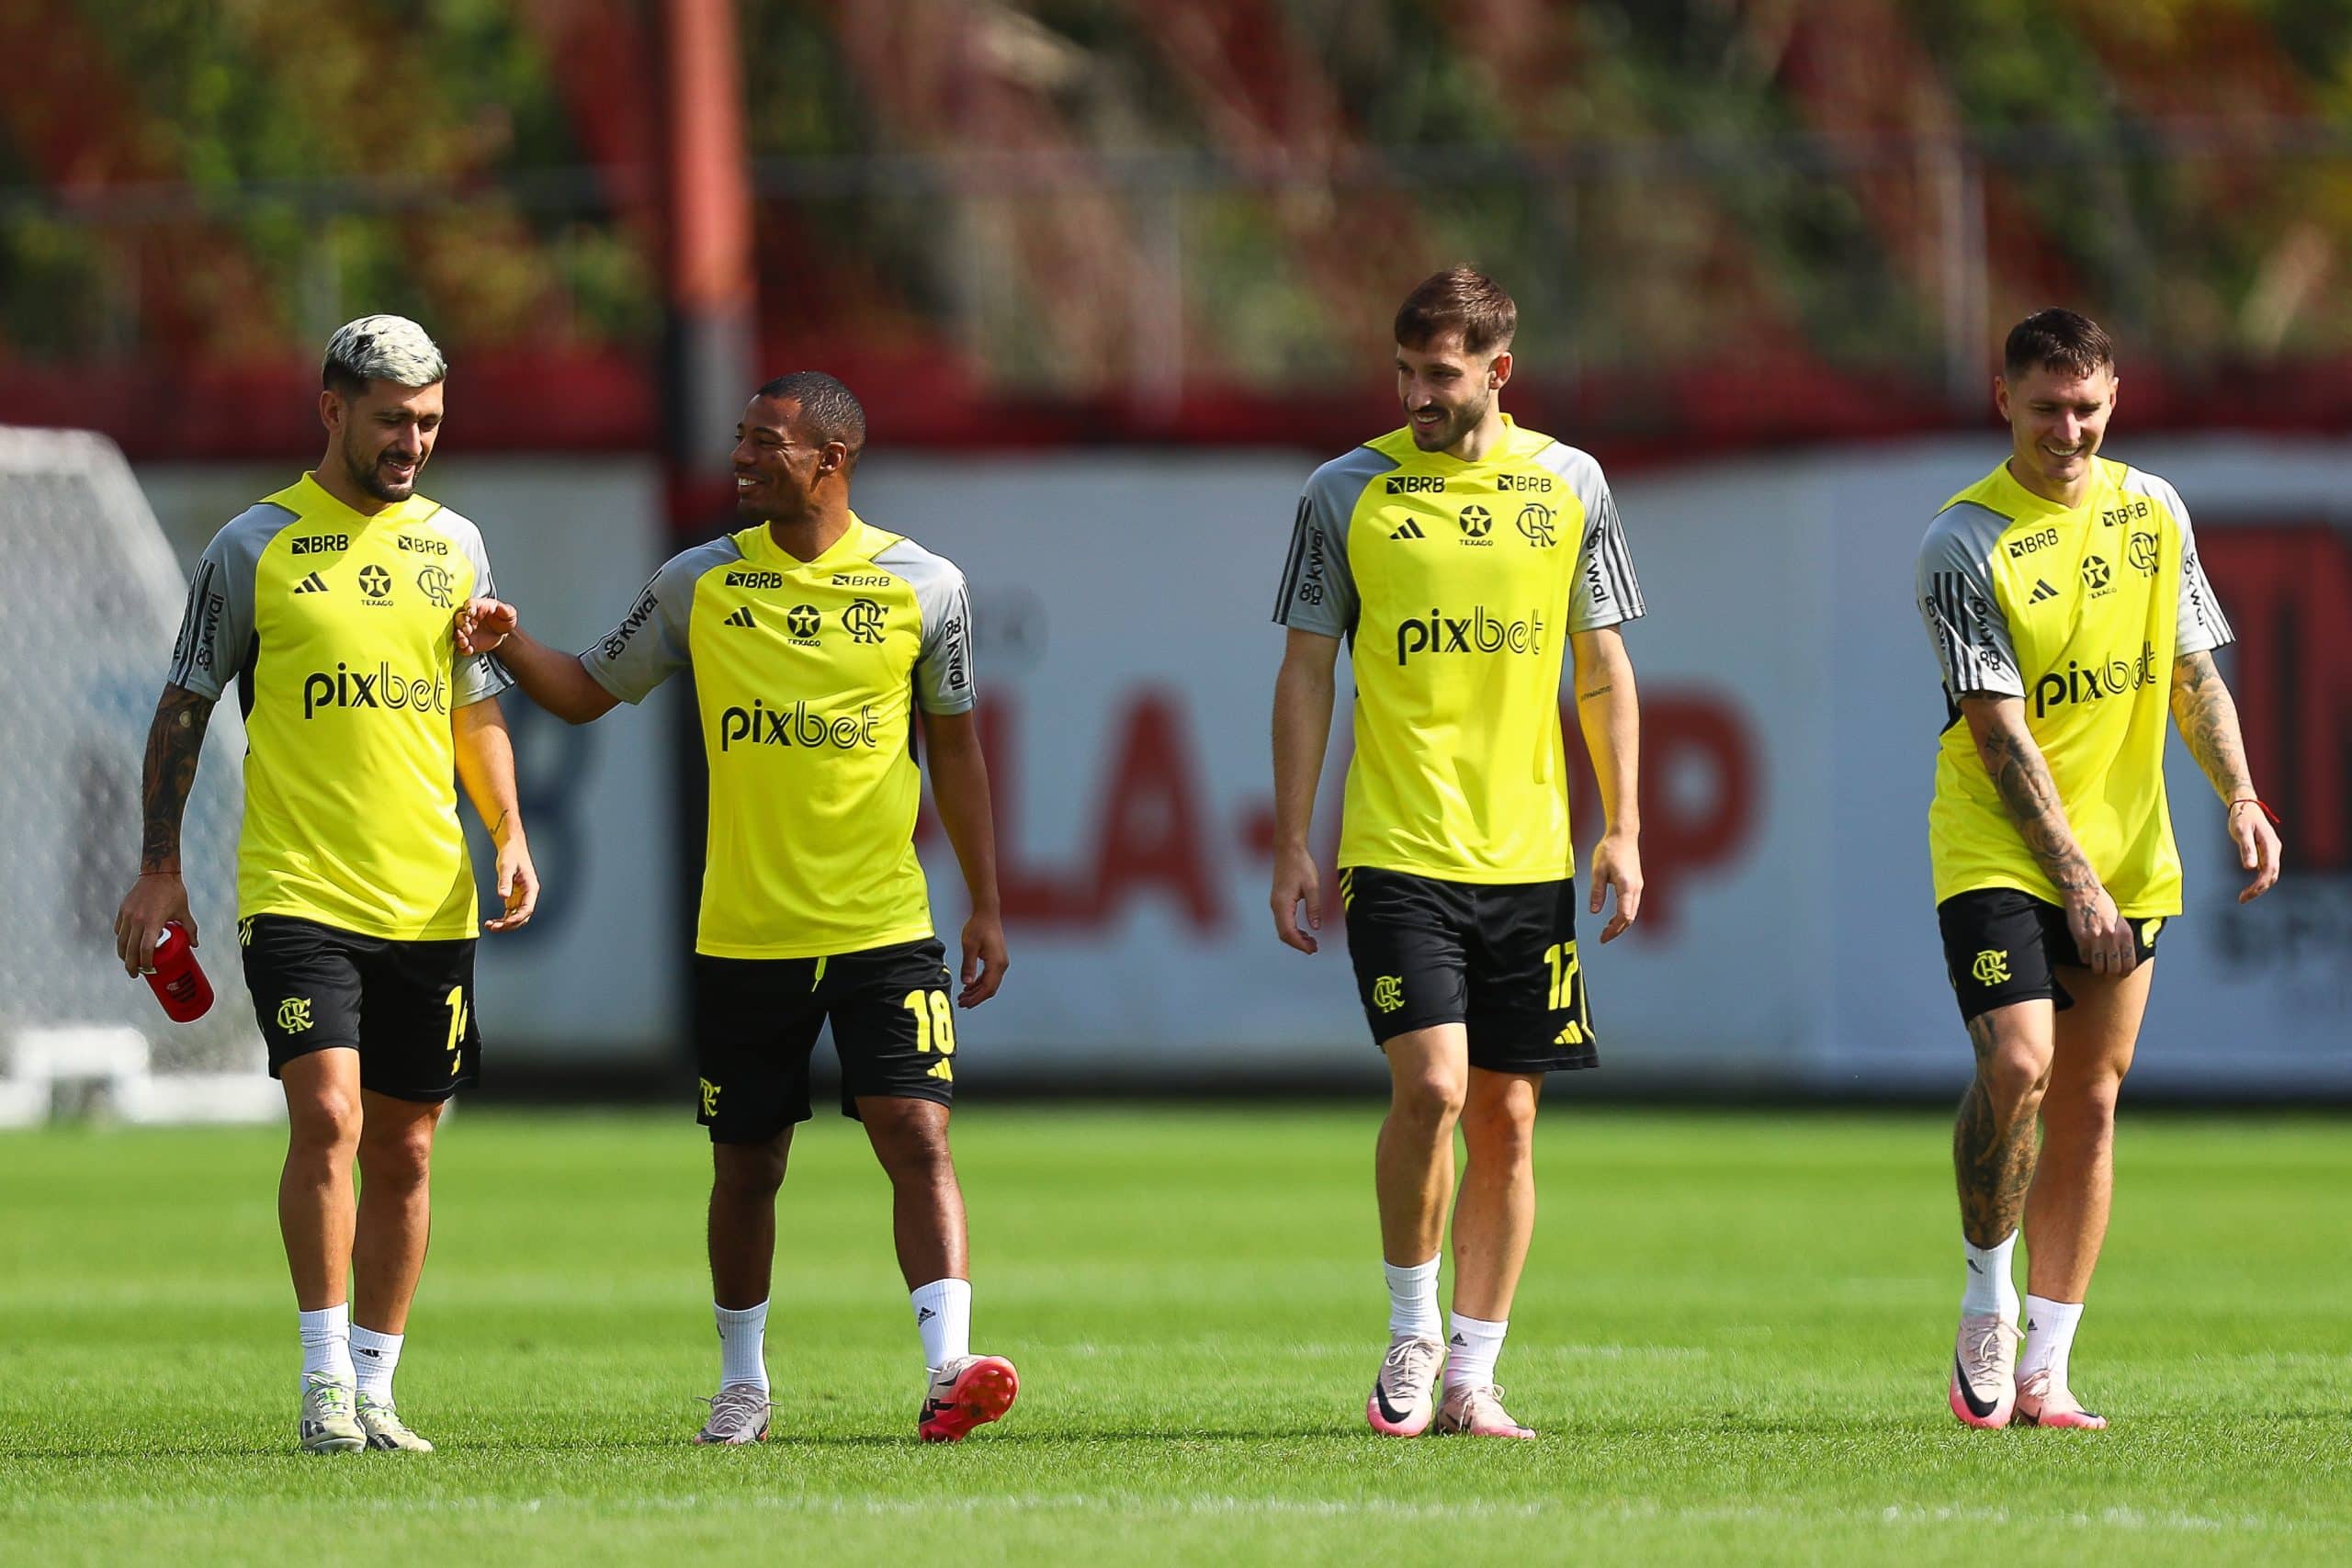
[{"x": 381, "y": 348}]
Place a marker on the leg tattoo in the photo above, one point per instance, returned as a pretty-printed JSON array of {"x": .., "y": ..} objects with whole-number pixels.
[{"x": 1994, "y": 1163}]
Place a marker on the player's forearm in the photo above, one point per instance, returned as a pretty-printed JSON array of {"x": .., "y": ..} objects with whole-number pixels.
[
  {"x": 960, "y": 793},
  {"x": 175, "y": 740},
  {"x": 1609, "y": 714},
  {"x": 1303, "y": 699},
  {"x": 2021, "y": 775},
  {"x": 555, "y": 680},
  {"x": 485, "y": 753},
  {"x": 2207, "y": 717}
]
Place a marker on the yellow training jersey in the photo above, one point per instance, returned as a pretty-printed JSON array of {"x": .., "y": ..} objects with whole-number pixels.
[
  {"x": 336, "y": 625},
  {"x": 807, "y": 673},
  {"x": 2079, "y": 612},
  {"x": 1457, "y": 585}
]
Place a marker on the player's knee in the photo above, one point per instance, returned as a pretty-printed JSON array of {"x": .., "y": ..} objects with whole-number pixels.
[
  {"x": 401, "y": 1158},
  {"x": 2015, "y": 1074},
  {"x": 1500, "y": 1129},
  {"x": 324, "y": 1124},
  {"x": 753, "y": 1171},
  {"x": 912, "y": 1149},
  {"x": 1431, "y": 1099}
]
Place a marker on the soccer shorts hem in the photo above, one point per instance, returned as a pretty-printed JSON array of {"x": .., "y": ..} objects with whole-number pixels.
[
  {"x": 1500, "y": 959},
  {"x": 2003, "y": 945},
  {"x": 756, "y": 1022},
  {"x": 406, "y": 1006}
]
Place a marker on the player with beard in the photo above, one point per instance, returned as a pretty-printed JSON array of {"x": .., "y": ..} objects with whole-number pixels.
[
  {"x": 814, "y": 637},
  {"x": 1460, "y": 557},
  {"x": 2068, "y": 610},
  {"x": 329, "y": 602}
]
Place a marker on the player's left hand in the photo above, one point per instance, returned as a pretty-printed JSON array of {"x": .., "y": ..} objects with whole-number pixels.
[
  {"x": 984, "y": 959},
  {"x": 2258, "y": 847},
  {"x": 1617, "y": 863},
  {"x": 519, "y": 886}
]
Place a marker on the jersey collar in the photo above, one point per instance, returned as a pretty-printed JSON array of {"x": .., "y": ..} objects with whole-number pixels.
[
  {"x": 2018, "y": 502},
  {"x": 311, "y": 498},
  {"x": 758, "y": 545}
]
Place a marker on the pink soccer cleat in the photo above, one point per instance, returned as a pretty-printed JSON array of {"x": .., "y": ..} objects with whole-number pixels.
[
  {"x": 968, "y": 1392},
  {"x": 1983, "y": 1370},
  {"x": 1477, "y": 1413},
  {"x": 1404, "y": 1396},
  {"x": 2040, "y": 1405}
]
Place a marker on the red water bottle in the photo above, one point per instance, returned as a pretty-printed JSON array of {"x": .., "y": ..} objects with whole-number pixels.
[{"x": 178, "y": 980}]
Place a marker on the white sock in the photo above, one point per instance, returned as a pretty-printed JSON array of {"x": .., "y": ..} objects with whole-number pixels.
[
  {"x": 2049, "y": 1337},
  {"x": 944, "y": 1318},
  {"x": 326, "y": 1345},
  {"x": 376, "y": 1357},
  {"x": 1990, "y": 1288},
  {"x": 1470, "y": 1351},
  {"x": 1412, "y": 1302},
  {"x": 742, "y": 1345}
]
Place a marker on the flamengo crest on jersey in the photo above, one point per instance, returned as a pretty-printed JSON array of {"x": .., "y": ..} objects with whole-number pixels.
[
  {"x": 1458, "y": 586},
  {"x": 336, "y": 625},
  {"x": 2079, "y": 613},
  {"x": 806, "y": 675}
]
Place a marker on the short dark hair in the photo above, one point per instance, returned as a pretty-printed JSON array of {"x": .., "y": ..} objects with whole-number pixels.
[
  {"x": 2058, "y": 338},
  {"x": 1458, "y": 299},
  {"x": 829, "y": 410}
]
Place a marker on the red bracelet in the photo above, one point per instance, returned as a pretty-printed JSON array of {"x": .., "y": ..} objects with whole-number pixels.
[{"x": 2256, "y": 800}]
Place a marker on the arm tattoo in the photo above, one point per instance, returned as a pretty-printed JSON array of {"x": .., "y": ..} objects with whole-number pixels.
[
  {"x": 2027, "y": 789},
  {"x": 2208, "y": 720},
  {"x": 1994, "y": 1164},
  {"x": 173, "y": 742},
  {"x": 1596, "y": 692}
]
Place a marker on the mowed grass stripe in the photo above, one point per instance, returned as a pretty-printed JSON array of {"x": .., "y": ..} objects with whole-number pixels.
[{"x": 1733, "y": 1332}]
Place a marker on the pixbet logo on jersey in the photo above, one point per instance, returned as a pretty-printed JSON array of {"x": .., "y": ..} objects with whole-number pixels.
[
  {"x": 2089, "y": 683},
  {"x": 1476, "y": 632},
  {"x": 380, "y": 688},
  {"x": 798, "y": 725}
]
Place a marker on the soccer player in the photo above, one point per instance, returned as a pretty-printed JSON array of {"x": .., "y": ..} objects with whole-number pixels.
[
  {"x": 2063, "y": 595},
  {"x": 813, "y": 636},
  {"x": 331, "y": 603},
  {"x": 1460, "y": 557}
]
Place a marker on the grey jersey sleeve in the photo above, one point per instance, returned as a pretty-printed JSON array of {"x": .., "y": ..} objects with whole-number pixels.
[
  {"x": 1318, "y": 588},
  {"x": 943, "y": 674},
  {"x": 649, "y": 645},
  {"x": 217, "y": 627},
  {"x": 478, "y": 675},
  {"x": 1965, "y": 624},
  {"x": 2203, "y": 627},
  {"x": 1607, "y": 592}
]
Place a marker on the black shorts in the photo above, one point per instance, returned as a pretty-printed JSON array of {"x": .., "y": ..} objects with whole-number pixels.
[
  {"x": 756, "y": 1022},
  {"x": 406, "y": 1006},
  {"x": 2001, "y": 945},
  {"x": 1500, "y": 959}
]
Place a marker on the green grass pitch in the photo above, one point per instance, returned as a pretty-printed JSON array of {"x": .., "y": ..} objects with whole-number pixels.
[{"x": 1733, "y": 1334}]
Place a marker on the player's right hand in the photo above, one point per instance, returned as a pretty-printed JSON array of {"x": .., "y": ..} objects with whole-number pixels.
[
  {"x": 1296, "y": 883},
  {"x": 2102, "y": 935},
  {"x": 482, "y": 624},
  {"x": 156, "y": 898}
]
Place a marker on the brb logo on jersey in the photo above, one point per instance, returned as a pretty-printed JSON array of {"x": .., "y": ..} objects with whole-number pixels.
[
  {"x": 798, "y": 725},
  {"x": 1476, "y": 632},
  {"x": 2090, "y": 684},
  {"x": 380, "y": 688}
]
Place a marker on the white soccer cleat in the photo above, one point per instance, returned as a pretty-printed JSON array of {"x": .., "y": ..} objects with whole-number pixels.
[
  {"x": 739, "y": 1414},
  {"x": 329, "y": 1425},
  {"x": 968, "y": 1392},
  {"x": 1477, "y": 1413},
  {"x": 2040, "y": 1403},
  {"x": 1404, "y": 1396},
  {"x": 1984, "y": 1370},
  {"x": 387, "y": 1433}
]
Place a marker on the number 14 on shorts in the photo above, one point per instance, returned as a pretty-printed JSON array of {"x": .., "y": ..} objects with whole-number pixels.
[{"x": 934, "y": 1030}]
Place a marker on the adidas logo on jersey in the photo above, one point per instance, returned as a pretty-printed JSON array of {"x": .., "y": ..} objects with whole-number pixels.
[
  {"x": 2041, "y": 590},
  {"x": 741, "y": 618},
  {"x": 1411, "y": 530},
  {"x": 313, "y": 583}
]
